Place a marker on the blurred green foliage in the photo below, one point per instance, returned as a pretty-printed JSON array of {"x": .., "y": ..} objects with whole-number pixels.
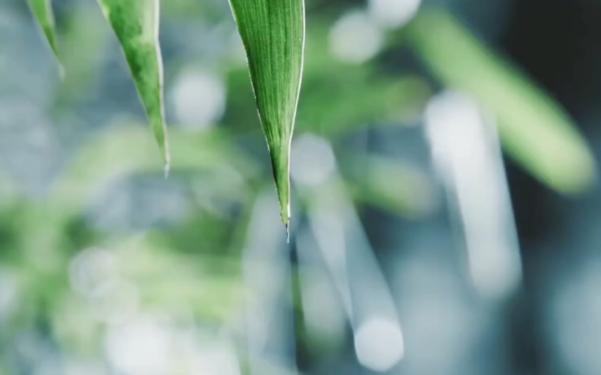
[{"x": 188, "y": 265}]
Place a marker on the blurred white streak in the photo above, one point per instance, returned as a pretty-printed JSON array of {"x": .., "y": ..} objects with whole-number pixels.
[
  {"x": 355, "y": 38},
  {"x": 267, "y": 276},
  {"x": 393, "y": 13},
  {"x": 349, "y": 259},
  {"x": 199, "y": 99},
  {"x": 467, "y": 155},
  {"x": 356, "y": 272},
  {"x": 442, "y": 329}
]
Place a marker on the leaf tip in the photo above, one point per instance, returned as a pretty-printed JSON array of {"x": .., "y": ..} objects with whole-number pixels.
[{"x": 280, "y": 160}]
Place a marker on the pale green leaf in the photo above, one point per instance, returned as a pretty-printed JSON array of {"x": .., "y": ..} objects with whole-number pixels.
[
  {"x": 534, "y": 130},
  {"x": 273, "y": 33},
  {"x": 136, "y": 24},
  {"x": 42, "y": 11}
]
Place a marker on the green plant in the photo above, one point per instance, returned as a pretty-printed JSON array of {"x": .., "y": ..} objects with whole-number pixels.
[{"x": 533, "y": 128}]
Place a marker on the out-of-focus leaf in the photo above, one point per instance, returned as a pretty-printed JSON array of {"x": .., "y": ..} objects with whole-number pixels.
[
  {"x": 336, "y": 102},
  {"x": 42, "y": 11},
  {"x": 339, "y": 97},
  {"x": 136, "y": 24},
  {"x": 393, "y": 185},
  {"x": 124, "y": 149},
  {"x": 534, "y": 130},
  {"x": 273, "y": 33},
  {"x": 209, "y": 285}
]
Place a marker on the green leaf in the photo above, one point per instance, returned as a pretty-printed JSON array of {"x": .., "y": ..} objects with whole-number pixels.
[
  {"x": 391, "y": 185},
  {"x": 273, "y": 33},
  {"x": 534, "y": 130},
  {"x": 136, "y": 24},
  {"x": 42, "y": 11}
]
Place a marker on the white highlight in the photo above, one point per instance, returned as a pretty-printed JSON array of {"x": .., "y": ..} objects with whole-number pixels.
[
  {"x": 355, "y": 38},
  {"x": 313, "y": 160},
  {"x": 356, "y": 274},
  {"x": 379, "y": 344},
  {"x": 467, "y": 154},
  {"x": 199, "y": 99},
  {"x": 139, "y": 347},
  {"x": 393, "y": 13}
]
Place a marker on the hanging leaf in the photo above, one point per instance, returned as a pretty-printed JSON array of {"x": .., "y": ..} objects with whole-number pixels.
[
  {"x": 42, "y": 11},
  {"x": 534, "y": 129},
  {"x": 136, "y": 24},
  {"x": 273, "y": 33}
]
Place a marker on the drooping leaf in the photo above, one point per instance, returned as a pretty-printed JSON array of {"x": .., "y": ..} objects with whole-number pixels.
[
  {"x": 273, "y": 33},
  {"x": 534, "y": 130},
  {"x": 136, "y": 24},
  {"x": 42, "y": 11}
]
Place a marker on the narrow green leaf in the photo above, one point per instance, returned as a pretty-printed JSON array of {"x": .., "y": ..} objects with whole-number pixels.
[
  {"x": 136, "y": 24},
  {"x": 534, "y": 130},
  {"x": 42, "y": 11},
  {"x": 273, "y": 33}
]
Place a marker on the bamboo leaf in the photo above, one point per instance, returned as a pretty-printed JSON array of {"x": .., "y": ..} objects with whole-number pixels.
[
  {"x": 534, "y": 130},
  {"x": 136, "y": 24},
  {"x": 42, "y": 11},
  {"x": 273, "y": 33}
]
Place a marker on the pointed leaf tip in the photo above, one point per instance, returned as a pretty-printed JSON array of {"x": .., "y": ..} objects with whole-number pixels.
[
  {"x": 44, "y": 16},
  {"x": 280, "y": 162},
  {"x": 136, "y": 25},
  {"x": 273, "y": 33}
]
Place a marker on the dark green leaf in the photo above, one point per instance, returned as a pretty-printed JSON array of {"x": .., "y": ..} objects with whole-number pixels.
[
  {"x": 273, "y": 33},
  {"x": 136, "y": 24}
]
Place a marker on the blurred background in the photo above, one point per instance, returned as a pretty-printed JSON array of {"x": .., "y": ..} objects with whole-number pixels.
[{"x": 446, "y": 207}]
